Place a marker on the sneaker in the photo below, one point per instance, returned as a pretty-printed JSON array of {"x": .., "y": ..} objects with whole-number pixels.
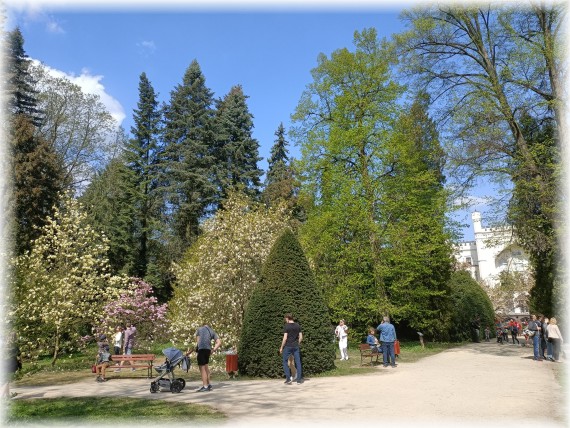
[
  {"x": 299, "y": 381},
  {"x": 98, "y": 379},
  {"x": 203, "y": 389},
  {"x": 133, "y": 369},
  {"x": 288, "y": 382},
  {"x": 209, "y": 387}
]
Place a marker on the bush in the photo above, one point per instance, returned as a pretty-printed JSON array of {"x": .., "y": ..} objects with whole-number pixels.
[
  {"x": 468, "y": 301},
  {"x": 287, "y": 285}
]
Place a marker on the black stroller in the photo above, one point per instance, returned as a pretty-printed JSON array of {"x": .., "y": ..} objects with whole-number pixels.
[{"x": 174, "y": 357}]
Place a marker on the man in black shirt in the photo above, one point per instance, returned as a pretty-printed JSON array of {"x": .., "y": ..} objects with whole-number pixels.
[{"x": 292, "y": 337}]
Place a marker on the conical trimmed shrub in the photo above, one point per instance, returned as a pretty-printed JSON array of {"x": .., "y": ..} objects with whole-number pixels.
[{"x": 287, "y": 285}]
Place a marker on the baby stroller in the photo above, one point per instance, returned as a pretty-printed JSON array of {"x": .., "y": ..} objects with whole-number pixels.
[{"x": 174, "y": 357}]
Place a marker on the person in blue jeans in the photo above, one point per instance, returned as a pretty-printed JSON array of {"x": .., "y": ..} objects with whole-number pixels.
[
  {"x": 292, "y": 338},
  {"x": 387, "y": 338},
  {"x": 534, "y": 326}
]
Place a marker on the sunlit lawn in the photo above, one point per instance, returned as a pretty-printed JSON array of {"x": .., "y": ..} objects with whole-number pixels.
[{"x": 107, "y": 410}]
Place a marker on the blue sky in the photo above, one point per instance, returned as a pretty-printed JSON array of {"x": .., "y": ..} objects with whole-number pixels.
[{"x": 269, "y": 53}]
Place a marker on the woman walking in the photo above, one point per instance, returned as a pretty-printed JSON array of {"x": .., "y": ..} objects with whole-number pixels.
[{"x": 555, "y": 337}]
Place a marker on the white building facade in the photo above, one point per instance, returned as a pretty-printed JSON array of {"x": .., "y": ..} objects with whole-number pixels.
[{"x": 493, "y": 251}]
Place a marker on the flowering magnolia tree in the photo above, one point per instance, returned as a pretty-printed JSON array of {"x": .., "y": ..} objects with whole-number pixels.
[
  {"x": 136, "y": 305},
  {"x": 214, "y": 283},
  {"x": 62, "y": 284}
]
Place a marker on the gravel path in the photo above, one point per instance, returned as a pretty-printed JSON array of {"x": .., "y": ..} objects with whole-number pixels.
[{"x": 477, "y": 385}]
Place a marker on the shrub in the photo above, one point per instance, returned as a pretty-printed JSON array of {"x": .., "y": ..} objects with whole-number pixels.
[
  {"x": 468, "y": 301},
  {"x": 286, "y": 285}
]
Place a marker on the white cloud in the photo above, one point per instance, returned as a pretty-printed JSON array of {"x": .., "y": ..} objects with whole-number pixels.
[
  {"x": 54, "y": 27},
  {"x": 91, "y": 84},
  {"x": 146, "y": 47}
]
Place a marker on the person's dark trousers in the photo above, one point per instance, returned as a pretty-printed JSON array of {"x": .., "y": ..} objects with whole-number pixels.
[
  {"x": 556, "y": 348},
  {"x": 536, "y": 346},
  {"x": 514, "y": 336},
  {"x": 288, "y": 350},
  {"x": 388, "y": 356}
]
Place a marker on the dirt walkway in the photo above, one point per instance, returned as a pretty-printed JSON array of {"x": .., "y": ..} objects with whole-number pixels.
[{"x": 482, "y": 384}]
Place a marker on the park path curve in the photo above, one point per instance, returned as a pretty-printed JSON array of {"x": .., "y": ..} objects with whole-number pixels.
[{"x": 483, "y": 384}]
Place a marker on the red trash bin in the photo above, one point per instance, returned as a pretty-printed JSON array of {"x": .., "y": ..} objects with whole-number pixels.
[{"x": 231, "y": 363}]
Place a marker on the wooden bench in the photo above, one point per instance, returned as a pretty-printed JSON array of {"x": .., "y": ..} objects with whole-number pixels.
[
  {"x": 137, "y": 361},
  {"x": 367, "y": 352}
]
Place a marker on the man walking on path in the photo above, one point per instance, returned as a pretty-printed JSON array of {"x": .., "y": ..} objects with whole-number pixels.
[
  {"x": 534, "y": 326},
  {"x": 292, "y": 338},
  {"x": 204, "y": 337},
  {"x": 387, "y": 337}
]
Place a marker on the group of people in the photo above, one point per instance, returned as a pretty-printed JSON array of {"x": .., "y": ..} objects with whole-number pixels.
[
  {"x": 542, "y": 332},
  {"x": 384, "y": 343},
  {"x": 123, "y": 343}
]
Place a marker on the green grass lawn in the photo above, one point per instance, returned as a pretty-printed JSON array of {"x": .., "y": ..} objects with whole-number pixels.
[{"x": 107, "y": 410}]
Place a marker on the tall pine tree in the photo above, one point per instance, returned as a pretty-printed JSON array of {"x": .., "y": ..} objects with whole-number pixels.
[
  {"x": 187, "y": 167},
  {"x": 22, "y": 95},
  {"x": 279, "y": 179},
  {"x": 237, "y": 152},
  {"x": 143, "y": 153}
]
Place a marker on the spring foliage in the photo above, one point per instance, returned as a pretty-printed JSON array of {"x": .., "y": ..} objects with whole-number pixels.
[
  {"x": 287, "y": 285},
  {"x": 215, "y": 280},
  {"x": 136, "y": 305},
  {"x": 62, "y": 284}
]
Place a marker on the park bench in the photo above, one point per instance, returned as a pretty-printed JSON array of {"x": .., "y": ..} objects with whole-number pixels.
[
  {"x": 137, "y": 361},
  {"x": 367, "y": 352}
]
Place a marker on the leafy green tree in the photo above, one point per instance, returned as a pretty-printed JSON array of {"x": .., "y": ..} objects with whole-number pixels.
[
  {"x": 62, "y": 284},
  {"x": 287, "y": 285},
  {"x": 344, "y": 122},
  {"x": 188, "y": 162},
  {"x": 20, "y": 82},
  {"x": 215, "y": 280},
  {"x": 469, "y": 300},
  {"x": 237, "y": 152},
  {"x": 417, "y": 255},
  {"x": 143, "y": 154},
  {"x": 37, "y": 180},
  {"x": 77, "y": 126},
  {"x": 490, "y": 66}
]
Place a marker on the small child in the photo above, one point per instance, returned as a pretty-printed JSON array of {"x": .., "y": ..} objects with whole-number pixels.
[{"x": 487, "y": 334}]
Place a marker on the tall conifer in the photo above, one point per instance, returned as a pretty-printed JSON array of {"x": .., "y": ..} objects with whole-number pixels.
[
  {"x": 22, "y": 95},
  {"x": 143, "y": 158},
  {"x": 287, "y": 285},
  {"x": 237, "y": 152},
  {"x": 187, "y": 168},
  {"x": 279, "y": 178}
]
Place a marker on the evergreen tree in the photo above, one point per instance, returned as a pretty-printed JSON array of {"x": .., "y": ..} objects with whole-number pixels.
[
  {"x": 143, "y": 155},
  {"x": 279, "y": 178},
  {"x": 37, "y": 180},
  {"x": 187, "y": 167},
  {"x": 237, "y": 152},
  {"x": 110, "y": 203},
  {"x": 23, "y": 96},
  {"x": 286, "y": 285},
  {"x": 468, "y": 300}
]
